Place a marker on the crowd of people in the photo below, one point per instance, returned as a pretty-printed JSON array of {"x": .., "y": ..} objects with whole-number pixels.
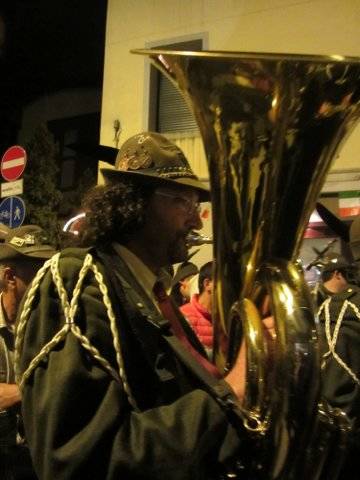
[{"x": 115, "y": 377}]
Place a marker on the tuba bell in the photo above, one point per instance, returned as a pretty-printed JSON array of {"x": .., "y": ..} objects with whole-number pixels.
[{"x": 271, "y": 125}]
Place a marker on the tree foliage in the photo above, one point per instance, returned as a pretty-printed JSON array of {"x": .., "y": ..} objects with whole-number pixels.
[{"x": 41, "y": 195}]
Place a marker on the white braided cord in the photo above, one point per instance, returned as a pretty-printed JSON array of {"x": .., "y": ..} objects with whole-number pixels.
[
  {"x": 70, "y": 310},
  {"x": 25, "y": 312},
  {"x": 332, "y": 339},
  {"x": 114, "y": 330}
]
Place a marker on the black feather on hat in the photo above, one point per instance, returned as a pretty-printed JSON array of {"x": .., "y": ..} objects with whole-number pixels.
[{"x": 185, "y": 269}]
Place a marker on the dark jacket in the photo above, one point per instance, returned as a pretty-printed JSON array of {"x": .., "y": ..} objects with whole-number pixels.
[
  {"x": 78, "y": 419},
  {"x": 339, "y": 388},
  {"x": 8, "y": 418}
]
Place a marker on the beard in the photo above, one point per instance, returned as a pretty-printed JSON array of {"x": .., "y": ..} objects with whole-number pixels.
[{"x": 178, "y": 250}]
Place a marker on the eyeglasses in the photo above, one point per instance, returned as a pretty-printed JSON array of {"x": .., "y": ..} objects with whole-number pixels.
[{"x": 189, "y": 206}]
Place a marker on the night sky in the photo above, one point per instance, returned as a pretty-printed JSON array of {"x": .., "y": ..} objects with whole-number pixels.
[{"x": 47, "y": 46}]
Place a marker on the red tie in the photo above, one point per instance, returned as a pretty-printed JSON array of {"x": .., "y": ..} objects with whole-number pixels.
[{"x": 169, "y": 312}]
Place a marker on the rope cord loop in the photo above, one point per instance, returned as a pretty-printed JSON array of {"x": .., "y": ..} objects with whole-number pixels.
[
  {"x": 70, "y": 310},
  {"x": 332, "y": 339},
  {"x": 25, "y": 313}
]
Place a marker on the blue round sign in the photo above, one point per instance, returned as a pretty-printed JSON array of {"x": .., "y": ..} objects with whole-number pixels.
[{"x": 12, "y": 211}]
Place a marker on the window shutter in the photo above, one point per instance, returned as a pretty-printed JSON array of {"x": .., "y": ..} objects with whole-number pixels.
[
  {"x": 168, "y": 110},
  {"x": 174, "y": 115}
]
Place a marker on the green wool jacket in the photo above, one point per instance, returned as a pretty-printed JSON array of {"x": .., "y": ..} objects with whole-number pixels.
[
  {"x": 78, "y": 420},
  {"x": 339, "y": 388}
]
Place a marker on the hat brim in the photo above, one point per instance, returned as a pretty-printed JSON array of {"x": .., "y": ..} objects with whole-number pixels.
[
  {"x": 116, "y": 175},
  {"x": 9, "y": 253},
  {"x": 185, "y": 272}
]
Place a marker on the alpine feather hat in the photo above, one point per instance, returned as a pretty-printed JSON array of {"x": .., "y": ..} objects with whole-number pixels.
[{"x": 151, "y": 157}]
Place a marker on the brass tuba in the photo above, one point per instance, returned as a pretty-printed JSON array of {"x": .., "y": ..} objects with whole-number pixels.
[{"x": 271, "y": 125}]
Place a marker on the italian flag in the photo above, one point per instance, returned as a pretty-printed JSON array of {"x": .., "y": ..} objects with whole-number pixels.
[{"x": 349, "y": 203}]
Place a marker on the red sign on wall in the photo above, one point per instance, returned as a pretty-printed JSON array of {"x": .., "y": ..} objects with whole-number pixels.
[{"x": 13, "y": 163}]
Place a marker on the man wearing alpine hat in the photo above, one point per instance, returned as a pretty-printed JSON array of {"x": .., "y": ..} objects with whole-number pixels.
[
  {"x": 23, "y": 250},
  {"x": 118, "y": 388}
]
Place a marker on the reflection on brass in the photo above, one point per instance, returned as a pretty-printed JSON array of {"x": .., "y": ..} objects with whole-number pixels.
[
  {"x": 196, "y": 239},
  {"x": 271, "y": 125}
]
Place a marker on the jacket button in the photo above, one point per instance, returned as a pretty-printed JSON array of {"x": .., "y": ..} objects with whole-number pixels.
[{"x": 140, "y": 305}]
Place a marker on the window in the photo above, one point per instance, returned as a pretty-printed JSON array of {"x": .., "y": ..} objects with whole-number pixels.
[{"x": 168, "y": 111}]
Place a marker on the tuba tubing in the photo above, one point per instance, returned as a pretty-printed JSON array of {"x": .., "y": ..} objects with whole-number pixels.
[{"x": 271, "y": 125}]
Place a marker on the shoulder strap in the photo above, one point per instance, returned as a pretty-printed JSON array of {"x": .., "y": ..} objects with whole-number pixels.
[{"x": 119, "y": 297}]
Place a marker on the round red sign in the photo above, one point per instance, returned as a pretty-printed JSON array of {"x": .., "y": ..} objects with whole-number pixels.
[{"x": 13, "y": 163}]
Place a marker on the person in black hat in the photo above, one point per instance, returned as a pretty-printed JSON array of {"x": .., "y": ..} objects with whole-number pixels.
[
  {"x": 22, "y": 252},
  {"x": 339, "y": 332},
  {"x": 335, "y": 278},
  {"x": 97, "y": 337},
  {"x": 180, "y": 286}
]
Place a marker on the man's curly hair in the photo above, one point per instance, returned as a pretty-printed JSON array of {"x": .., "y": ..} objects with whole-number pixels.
[{"x": 113, "y": 212}]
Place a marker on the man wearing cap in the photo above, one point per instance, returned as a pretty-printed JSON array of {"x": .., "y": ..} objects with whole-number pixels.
[
  {"x": 114, "y": 399},
  {"x": 339, "y": 324},
  {"x": 22, "y": 252}
]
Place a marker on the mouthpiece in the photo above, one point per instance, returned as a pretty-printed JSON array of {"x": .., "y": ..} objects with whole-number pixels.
[{"x": 195, "y": 239}]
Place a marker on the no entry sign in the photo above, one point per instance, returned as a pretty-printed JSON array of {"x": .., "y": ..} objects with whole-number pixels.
[{"x": 13, "y": 163}]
